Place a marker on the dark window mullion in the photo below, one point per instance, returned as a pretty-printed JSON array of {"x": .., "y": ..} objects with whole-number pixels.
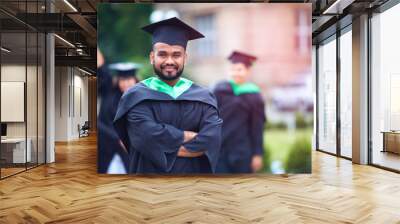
[
  {"x": 369, "y": 90},
  {"x": 26, "y": 87},
  {"x": 316, "y": 97},
  {"x": 37, "y": 91},
  {"x": 338, "y": 98},
  {"x": 0, "y": 95}
]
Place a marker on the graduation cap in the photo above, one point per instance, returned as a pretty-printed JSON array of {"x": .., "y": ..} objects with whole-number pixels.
[
  {"x": 172, "y": 31},
  {"x": 239, "y": 57},
  {"x": 124, "y": 69}
]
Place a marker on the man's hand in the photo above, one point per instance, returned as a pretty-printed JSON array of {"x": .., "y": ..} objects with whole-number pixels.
[
  {"x": 183, "y": 152},
  {"x": 256, "y": 163},
  {"x": 188, "y": 135}
]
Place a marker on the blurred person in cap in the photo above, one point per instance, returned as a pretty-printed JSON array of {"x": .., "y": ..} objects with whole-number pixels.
[
  {"x": 114, "y": 157},
  {"x": 168, "y": 123},
  {"x": 126, "y": 75},
  {"x": 242, "y": 110},
  {"x": 106, "y": 137},
  {"x": 103, "y": 77}
]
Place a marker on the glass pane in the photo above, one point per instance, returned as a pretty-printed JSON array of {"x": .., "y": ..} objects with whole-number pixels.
[
  {"x": 13, "y": 86},
  {"x": 345, "y": 94},
  {"x": 327, "y": 96},
  {"x": 31, "y": 86},
  {"x": 31, "y": 98},
  {"x": 41, "y": 98},
  {"x": 386, "y": 89}
]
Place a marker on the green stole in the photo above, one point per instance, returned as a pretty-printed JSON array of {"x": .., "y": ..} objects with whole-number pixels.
[
  {"x": 244, "y": 88},
  {"x": 175, "y": 91}
]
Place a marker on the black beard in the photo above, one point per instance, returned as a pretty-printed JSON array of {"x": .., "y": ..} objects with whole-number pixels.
[{"x": 167, "y": 78}]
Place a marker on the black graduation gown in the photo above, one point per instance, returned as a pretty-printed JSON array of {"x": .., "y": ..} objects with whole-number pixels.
[
  {"x": 242, "y": 131},
  {"x": 151, "y": 124},
  {"x": 107, "y": 138}
]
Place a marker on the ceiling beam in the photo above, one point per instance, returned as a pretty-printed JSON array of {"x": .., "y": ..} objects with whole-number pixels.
[
  {"x": 81, "y": 61},
  {"x": 337, "y": 6}
]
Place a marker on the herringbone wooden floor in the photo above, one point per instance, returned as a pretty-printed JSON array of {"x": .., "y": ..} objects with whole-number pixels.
[{"x": 70, "y": 191}]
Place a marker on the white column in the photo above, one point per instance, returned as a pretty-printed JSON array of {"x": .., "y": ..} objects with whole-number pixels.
[
  {"x": 50, "y": 110},
  {"x": 360, "y": 90},
  {"x": 50, "y": 93}
]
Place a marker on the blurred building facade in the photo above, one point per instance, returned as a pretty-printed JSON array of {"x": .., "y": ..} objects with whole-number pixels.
[{"x": 278, "y": 34}]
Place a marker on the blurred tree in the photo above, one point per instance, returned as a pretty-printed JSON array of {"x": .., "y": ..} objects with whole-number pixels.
[
  {"x": 119, "y": 35},
  {"x": 266, "y": 159},
  {"x": 300, "y": 120},
  {"x": 280, "y": 125},
  {"x": 299, "y": 157}
]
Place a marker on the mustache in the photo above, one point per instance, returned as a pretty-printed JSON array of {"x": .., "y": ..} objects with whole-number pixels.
[
  {"x": 169, "y": 65},
  {"x": 160, "y": 74}
]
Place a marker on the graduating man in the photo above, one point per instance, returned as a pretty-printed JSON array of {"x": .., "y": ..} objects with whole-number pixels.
[
  {"x": 168, "y": 123},
  {"x": 113, "y": 157},
  {"x": 242, "y": 110}
]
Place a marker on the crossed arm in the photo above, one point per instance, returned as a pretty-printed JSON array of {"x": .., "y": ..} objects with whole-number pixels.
[
  {"x": 183, "y": 152},
  {"x": 157, "y": 141}
]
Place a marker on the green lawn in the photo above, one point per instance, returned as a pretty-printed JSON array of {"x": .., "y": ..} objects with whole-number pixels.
[{"x": 279, "y": 141}]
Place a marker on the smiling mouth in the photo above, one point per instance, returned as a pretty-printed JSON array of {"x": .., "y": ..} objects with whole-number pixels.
[{"x": 170, "y": 69}]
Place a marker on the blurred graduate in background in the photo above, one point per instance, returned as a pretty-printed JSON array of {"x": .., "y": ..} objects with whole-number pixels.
[
  {"x": 113, "y": 156},
  {"x": 241, "y": 108}
]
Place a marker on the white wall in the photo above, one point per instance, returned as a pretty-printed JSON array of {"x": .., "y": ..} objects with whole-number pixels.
[
  {"x": 61, "y": 103},
  {"x": 71, "y": 94},
  {"x": 80, "y": 96},
  {"x": 12, "y": 73},
  {"x": 33, "y": 125}
]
